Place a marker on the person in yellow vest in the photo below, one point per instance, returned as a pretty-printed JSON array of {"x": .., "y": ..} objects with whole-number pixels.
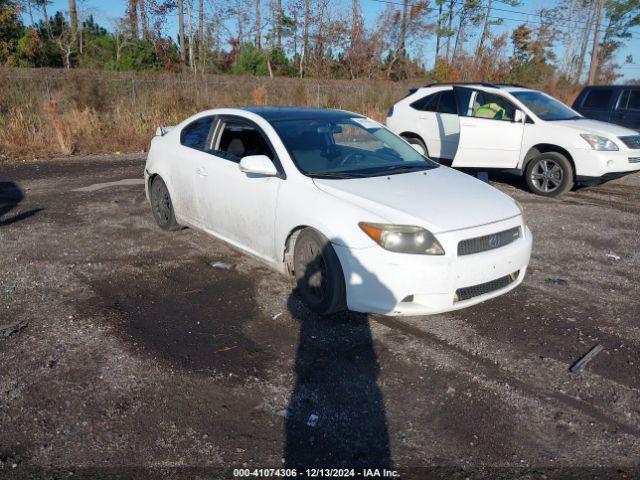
[{"x": 490, "y": 110}]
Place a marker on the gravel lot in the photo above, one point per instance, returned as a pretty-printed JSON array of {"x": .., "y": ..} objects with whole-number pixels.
[{"x": 141, "y": 359}]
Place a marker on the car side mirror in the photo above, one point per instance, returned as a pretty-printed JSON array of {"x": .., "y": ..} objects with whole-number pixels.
[
  {"x": 258, "y": 165},
  {"x": 418, "y": 148},
  {"x": 519, "y": 116}
]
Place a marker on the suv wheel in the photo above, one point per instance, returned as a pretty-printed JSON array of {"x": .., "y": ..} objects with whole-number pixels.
[
  {"x": 549, "y": 174},
  {"x": 417, "y": 141}
]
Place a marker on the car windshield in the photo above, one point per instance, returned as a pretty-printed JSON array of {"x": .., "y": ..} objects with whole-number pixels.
[
  {"x": 546, "y": 107},
  {"x": 348, "y": 148}
]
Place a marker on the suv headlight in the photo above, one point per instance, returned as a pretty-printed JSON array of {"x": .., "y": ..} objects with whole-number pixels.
[
  {"x": 403, "y": 238},
  {"x": 599, "y": 143}
]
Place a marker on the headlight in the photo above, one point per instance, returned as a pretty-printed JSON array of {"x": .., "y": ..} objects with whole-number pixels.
[
  {"x": 524, "y": 219},
  {"x": 403, "y": 238},
  {"x": 599, "y": 143}
]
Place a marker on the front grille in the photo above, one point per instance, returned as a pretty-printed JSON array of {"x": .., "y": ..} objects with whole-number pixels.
[
  {"x": 488, "y": 242},
  {"x": 634, "y": 159},
  {"x": 631, "y": 141},
  {"x": 477, "y": 290}
]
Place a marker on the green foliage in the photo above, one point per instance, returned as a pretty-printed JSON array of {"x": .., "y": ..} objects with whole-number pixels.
[
  {"x": 135, "y": 55},
  {"x": 11, "y": 30},
  {"x": 250, "y": 61}
]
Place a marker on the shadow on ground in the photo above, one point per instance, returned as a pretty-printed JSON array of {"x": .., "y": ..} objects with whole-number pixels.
[
  {"x": 336, "y": 415},
  {"x": 10, "y": 197}
]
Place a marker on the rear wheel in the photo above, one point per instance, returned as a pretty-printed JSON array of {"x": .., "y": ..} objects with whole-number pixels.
[
  {"x": 549, "y": 174},
  {"x": 417, "y": 141},
  {"x": 318, "y": 273},
  {"x": 162, "y": 206}
]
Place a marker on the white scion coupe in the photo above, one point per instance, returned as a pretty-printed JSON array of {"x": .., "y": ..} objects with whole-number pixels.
[{"x": 360, "y": 218}]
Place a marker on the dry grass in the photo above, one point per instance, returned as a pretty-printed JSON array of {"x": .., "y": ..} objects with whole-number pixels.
[
  {"x": 48, "y": 112},
  {"x": 56, "y": 112}
]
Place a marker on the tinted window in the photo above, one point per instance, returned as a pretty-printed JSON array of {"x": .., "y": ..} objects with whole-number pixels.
[
  {"x": 630, "y": 100},
  {"x": 347, "y": 148},
  {"x": 488, "y": 105},
  {"x": 447, "y": 103},
  {"x": 545, "y": 107},
  {"x": 427, "y": 104},
  {"x": 598, "y": 98},
  {"x": 195, "y": 134},
  {"x": 239, "y": 140}
]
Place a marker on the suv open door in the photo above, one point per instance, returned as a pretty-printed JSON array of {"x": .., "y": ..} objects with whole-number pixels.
[{"x": 491, "y": 129}]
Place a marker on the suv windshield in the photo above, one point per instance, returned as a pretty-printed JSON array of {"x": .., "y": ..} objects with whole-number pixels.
[
  {"x": 546, "y": 107},
  {"x": 347, "y": 148}
]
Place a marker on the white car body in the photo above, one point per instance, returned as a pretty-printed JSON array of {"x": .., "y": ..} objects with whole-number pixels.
[
  {"x": 472, "y": 142},
  {"x": 261, "y": 215}
]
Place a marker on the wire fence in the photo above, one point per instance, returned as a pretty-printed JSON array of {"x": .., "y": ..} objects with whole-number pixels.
[{"x": 45, "y": 111}]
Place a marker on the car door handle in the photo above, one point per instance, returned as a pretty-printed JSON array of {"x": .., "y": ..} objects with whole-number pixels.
[{"x": 201, "y": 171}]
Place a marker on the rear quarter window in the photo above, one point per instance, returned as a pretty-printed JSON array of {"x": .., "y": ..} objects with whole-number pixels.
[
  {"x": 598, "y": 98},
  {"x": 196, "y": 134},
  {"x": 427, "y": 104},
  {"x": 630, "y": 100}
]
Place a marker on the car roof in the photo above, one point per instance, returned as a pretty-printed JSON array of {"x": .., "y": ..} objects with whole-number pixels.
[
  {"x": 614, "y": 87},
  {"x": 274, "y": 113},
  {"x": 506, "y": 87}
]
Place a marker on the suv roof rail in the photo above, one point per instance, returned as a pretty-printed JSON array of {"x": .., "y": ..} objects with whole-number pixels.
[
  {"x": 511, "y": 85},
  {"x": 484, "y": 84}
]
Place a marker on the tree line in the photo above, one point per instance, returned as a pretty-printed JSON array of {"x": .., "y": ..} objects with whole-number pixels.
[{"x": 443, "y": 40}]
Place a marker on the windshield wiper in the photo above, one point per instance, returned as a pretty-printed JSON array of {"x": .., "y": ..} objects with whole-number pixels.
[
  {"x": 340, "y": 175},
  {"x": 394, "y": 168},
  {"x": 575, "y": 117}
]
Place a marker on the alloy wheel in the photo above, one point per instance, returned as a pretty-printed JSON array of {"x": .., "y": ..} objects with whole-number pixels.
[{"x": 547, "y": 175}]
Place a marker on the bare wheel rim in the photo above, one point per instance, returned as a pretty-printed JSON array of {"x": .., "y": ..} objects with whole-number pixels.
[
  {"x": 162, "y": 204},
  {"x": 314, "y": 279},
  {"x": 547, "y": 175}
]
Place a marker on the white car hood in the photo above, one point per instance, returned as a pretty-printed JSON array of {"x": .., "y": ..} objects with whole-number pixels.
[
  {"x": 439, "y": 199},
  {"x": 595, "y": 126}
]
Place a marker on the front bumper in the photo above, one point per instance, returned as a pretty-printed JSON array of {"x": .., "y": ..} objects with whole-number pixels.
[
  {"x": 388, "y": 283},
  {"x": 597, "y": 164}
]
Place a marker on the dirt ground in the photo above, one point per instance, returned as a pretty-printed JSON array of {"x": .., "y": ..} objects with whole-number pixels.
[{"x": 141, "y": 359}]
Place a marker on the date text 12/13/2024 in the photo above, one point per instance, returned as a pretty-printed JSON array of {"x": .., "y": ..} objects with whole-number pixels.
[{"x": 315, "y": 473}]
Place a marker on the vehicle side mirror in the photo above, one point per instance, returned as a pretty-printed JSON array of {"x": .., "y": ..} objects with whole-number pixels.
[
  {"x": 258, "y": 165},
  {"x": 418, "y": 148},
  {"x": 519, "y": 116}
]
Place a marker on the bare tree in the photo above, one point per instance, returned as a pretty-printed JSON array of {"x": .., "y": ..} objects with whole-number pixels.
[
  {"x": 279, "y": 23},
  {"x": 73, "y": 14},
  {"x": 593, "y": 65},
  {"x": 192, "y": 64},
  {"x": 586, "y": 34},
  {"x": 183, "y": 51},
  {"x": 132, "y": 18},
  {"x": 201, "y": 35},
  {"x": 143, "y": 19},
  {"x": 258, "y": 25}
]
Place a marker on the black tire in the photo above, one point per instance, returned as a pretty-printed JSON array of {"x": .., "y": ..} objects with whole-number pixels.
[
  {"x": 417, "y": 141},
  {"x": 161, "y": 205},
  {"x": 549, "y": 174},
  {"x": 318, "y": 273}
]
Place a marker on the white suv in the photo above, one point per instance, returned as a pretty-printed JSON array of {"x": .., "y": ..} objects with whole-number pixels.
[{"x": 514, "y": 128}]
